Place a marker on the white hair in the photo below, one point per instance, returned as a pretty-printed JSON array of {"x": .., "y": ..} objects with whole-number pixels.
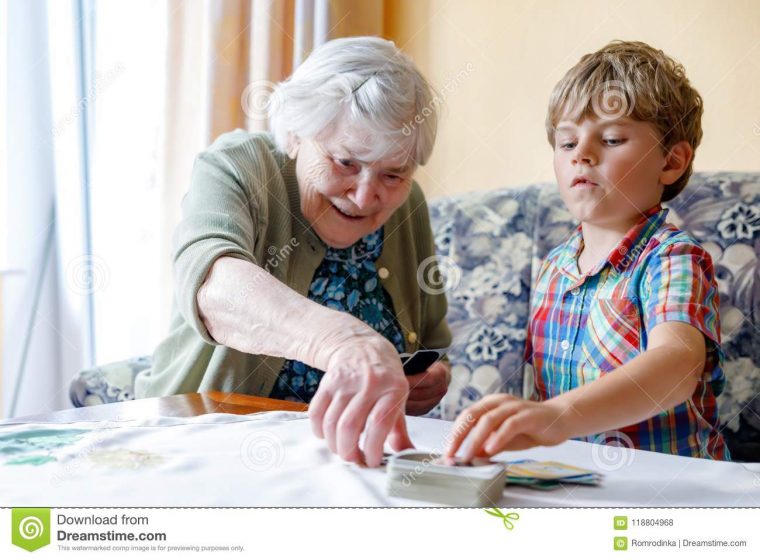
[{"x": 364, "y": 81}]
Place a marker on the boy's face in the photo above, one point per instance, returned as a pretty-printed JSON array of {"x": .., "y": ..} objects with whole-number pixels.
[{"x": 609, "y": 171}]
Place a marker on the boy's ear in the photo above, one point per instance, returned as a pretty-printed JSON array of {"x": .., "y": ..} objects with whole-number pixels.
[{"x": 676, "y": 162}]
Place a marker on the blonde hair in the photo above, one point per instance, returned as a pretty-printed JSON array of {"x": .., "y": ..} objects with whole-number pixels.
[{"x": 631, "y": 78}]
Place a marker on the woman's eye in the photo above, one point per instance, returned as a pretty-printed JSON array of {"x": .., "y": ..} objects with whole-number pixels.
[
  {"x": 394, "y": 178},
  {"x": 345, "y": 163}
]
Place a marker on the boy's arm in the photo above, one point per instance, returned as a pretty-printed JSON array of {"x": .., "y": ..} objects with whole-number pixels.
[
  {"x": 662, "y": 377},
  {"x": 681, "y": 317}
]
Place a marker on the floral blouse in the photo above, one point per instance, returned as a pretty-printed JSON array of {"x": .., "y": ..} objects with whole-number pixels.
[{"x": 346, "y": 280}]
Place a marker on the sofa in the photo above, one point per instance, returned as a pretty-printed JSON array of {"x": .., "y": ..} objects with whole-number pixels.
[{"x": 490, "y": 247}]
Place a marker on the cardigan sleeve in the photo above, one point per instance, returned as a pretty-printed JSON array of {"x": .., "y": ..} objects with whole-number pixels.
[
  {"x": 219, "y": 218},
  {"x": 435, "y": 330}
]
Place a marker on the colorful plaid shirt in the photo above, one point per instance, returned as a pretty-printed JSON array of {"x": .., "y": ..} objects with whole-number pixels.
[{"x": 584, "y": 326}]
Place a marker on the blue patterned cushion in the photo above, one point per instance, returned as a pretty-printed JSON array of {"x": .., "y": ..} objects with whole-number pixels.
[
  {"x": 108, "y": 383},
  {"x": 722, "y": 211},
  {"x": 485, "y": 241}
]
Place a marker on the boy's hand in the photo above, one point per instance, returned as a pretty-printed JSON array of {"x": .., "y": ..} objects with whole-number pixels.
[{"x": 503, "y": 422}]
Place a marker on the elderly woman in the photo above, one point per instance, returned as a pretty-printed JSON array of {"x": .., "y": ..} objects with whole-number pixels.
[{"x": 297, "y": 257}]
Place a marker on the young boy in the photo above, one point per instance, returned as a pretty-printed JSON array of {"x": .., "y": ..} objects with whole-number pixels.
[{"x": 624, "y": 335}]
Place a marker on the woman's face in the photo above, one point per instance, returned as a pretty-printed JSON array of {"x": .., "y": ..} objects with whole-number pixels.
[{"x": 343, "y": 195}]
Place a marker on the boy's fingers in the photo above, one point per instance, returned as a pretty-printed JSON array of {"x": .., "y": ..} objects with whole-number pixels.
[
  {"x": 520, "y": 442},
  {"x": 486, "y": 425},
  {"x": 464, "y": 422},
  {"x": 509, "y": 430},
  {"x": 467, "y": 420}
]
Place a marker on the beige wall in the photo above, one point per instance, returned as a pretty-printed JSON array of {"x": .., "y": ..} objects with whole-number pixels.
[{"x": 500, "y": 60}]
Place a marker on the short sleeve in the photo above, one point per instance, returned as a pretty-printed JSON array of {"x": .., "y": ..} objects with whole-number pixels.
[{"x": 679, "y": 286}]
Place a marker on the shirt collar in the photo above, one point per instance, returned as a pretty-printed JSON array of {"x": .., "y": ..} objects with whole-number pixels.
[{"x": 620, "y": 257}]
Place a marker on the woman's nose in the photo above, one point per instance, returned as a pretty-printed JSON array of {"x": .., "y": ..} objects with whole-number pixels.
[{"x": 367, "y": 191}]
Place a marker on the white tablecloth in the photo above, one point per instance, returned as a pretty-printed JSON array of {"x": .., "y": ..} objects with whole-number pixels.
[{"x": 272, "y": 459}]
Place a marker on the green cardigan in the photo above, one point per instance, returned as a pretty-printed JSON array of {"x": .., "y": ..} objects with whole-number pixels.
[{"x": 243, "y": 201}]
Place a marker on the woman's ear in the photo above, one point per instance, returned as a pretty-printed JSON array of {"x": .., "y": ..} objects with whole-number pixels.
[
  {"x": 294, "y": 142},
  {"x": 676, "y": 162}
]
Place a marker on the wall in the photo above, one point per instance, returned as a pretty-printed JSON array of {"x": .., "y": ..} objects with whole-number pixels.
[{"x": 497, "y": 61}]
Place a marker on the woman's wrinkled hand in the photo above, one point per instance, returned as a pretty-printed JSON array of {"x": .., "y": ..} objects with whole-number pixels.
[
  {"x": 363, "y": 390},
  {"x": 426, "y": 389}
]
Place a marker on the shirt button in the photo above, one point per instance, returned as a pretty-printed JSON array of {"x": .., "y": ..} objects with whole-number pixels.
[
  {"x": 565, "y": 345},
  {"x": 383, "y": 273},
  {"x": 411, "y": 337},
  {"x": 575, "y": 291}
]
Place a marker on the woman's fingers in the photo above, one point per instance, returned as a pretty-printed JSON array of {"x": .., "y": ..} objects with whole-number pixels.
[
  {"x": 421, "y": 407},
  {"x": 426, "y": 390},
  {"x": 399, "y": 437},
  {"x": 419, "y": 394},
  {"x": 317, "y": 408},
  {"x": 332, "y": 418},
  {"x": 381, "y": 420},
  {"x": 422, "y": 380},
  {"x": 350, "y": 427}
]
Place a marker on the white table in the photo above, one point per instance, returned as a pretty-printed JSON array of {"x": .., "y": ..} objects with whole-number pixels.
[{"x": 272, "y": 459}]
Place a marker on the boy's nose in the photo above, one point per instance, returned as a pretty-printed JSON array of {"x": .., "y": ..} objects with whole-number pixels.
[{"x": 584, "y": 156}]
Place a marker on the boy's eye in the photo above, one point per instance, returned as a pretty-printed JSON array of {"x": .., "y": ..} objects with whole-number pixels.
[
  {"x": 567, "y": 145},
  {"x": 614, "y": 141}
]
